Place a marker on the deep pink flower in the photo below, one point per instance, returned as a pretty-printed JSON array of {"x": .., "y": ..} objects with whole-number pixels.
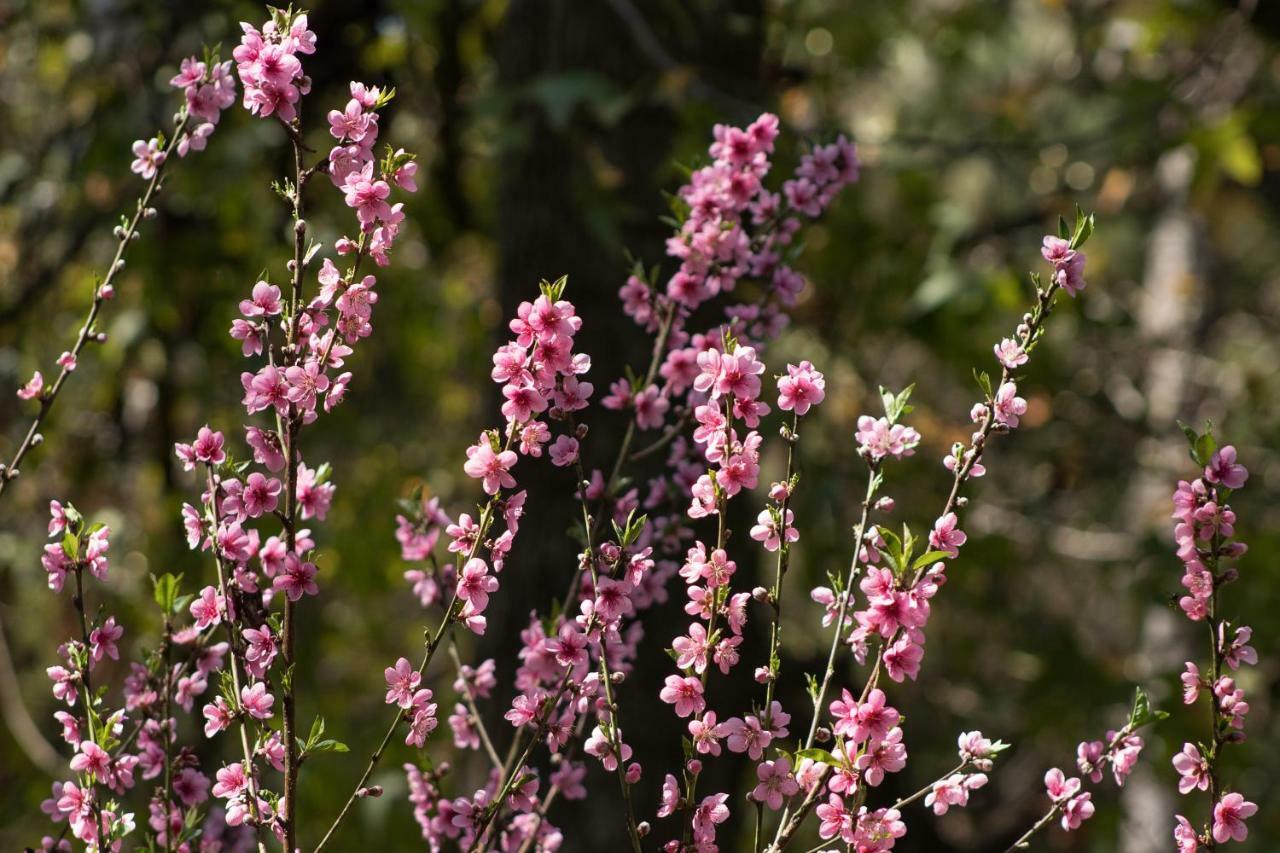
[
  {"x": 685, "y": 692},
  {"x": 490, "y": 466},
  {"x": 1224, "y": 469},
  {"x": 256, "y": 701},
  {"x": 946, "y": 535}
]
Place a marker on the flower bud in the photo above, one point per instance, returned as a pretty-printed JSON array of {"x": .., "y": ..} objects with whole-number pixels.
[
  {"x": 642, "y": 828},
  {"x": 371, "y": 791},
  {"x": 823, "y": 734},
  {"x": 885, "y": 504},
  {"x": 694, "y": 766}
]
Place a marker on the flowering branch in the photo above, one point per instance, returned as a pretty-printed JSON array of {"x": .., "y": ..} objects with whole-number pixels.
[{"x": 1204, "y": 533}]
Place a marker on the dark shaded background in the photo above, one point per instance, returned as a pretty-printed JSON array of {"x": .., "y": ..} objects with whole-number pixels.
[{"x": 548, "y": 131}]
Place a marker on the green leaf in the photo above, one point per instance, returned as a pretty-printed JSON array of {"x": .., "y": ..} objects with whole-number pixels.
[
  {"x": 984, "y": 381},
  {"x": 166, "y": 591},
  {"x": 1142, "y": 713},
  {"x": 328, "y": 745},
  {"x": 928, "y": 558},
  {"x": 1205, "y": 447},
  {"x": 816, "y": 754}
]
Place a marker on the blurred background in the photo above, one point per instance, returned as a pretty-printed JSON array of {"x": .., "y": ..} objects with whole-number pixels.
[{"x": 548, "y": 130}]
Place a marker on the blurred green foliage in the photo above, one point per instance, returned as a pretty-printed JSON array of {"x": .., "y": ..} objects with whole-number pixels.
[{"x": 548, "y": 129}]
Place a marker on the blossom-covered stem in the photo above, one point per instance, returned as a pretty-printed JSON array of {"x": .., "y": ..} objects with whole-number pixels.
[
  {"x": 659, "y": 353},
  {"x": 924, "y": 792},
  {"x": 470, "y": 699},
  {"x": 605, "y": 675},
  {"x": 289, "y": 628},
  {"x": 873, "y": 484},
  {"x": 78, "y": 601},
  {"x": 101, "y": 294},
  {"x": 168, "y": 735},
  {"x": 780, "y": 569},
  {"x": 512, "y": 772},
  {"x": 722, "y": 532},
  {"x": 433, "y": 643},
  {"x": 1056, "y": 809},
  {"x": 237, "y": 678},
  {"x": 1029, "y": 333}
]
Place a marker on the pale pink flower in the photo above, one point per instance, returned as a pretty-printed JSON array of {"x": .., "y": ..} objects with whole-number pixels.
[{"x": 1229, "y": 816}]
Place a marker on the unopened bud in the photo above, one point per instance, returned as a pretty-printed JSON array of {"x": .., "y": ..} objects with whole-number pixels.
[
  {"x": 642, "y": 828},
  {"x": 119, "y": 232},
  {"x": 300, "y": 227},
  {"x": 962, "y": 502},
  {"x": 100, "y": 337},
  {"x": 37, "y": 439},
  {"x": 885, "y": 504},
  {"x": 371, "y": 791},
  {"x": 581, "y": 431},
  {"x": 823, "y": 734},
  {"x": 617, "y": 677},
  {"x": 118, "y": 265},
  {"x": 760, "y": 594},
  {"x": 150, "y": 213}
]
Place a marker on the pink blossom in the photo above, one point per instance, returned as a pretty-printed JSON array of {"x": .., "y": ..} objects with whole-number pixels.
[
  {"x": 1192, "y": 768},
  {"x": 835, "y": 819},
  {"x": 564, "y": 451},
  {"x": 475, "y": 583},
  {"x": 1185, "y": 836},
  {"x": 256, "y": 701},
  {"x": 148, "y": 156},
  {"x": 1224, "y": 469},
  {"x": 801, "y": 388},
  {"x": 946, "y": 535},
  {"x": 402, "y": 681},
  {"x": 1077, "y": 810},
  {"x": 767, "y": 529},
  {"x": 103, "y": 640},
  {"x": 1008, "y": 406},
  {"x": 1010, "y": 354},
  {"x": 218, "y": 717},
  {"x": 207, "y": 608},
  {"x": 878, "y": 439},
  {"x": 493, "y": 467},
  {"x": 33, "y": 388},
  {"x": 92, "y": 760}
]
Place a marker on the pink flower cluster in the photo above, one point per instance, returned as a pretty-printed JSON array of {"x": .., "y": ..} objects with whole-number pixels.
[
  {"x": 1068, "y": 263},
  {"x": 209, "y": 89},
  {"x": 268, "y": 64},
  {"x": 1205, "y": 536}
]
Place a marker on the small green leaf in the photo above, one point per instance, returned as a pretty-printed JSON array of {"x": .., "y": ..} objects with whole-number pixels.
[
  {"x": 928, "y": 558},
  {"x": 816, "y": 754}
]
